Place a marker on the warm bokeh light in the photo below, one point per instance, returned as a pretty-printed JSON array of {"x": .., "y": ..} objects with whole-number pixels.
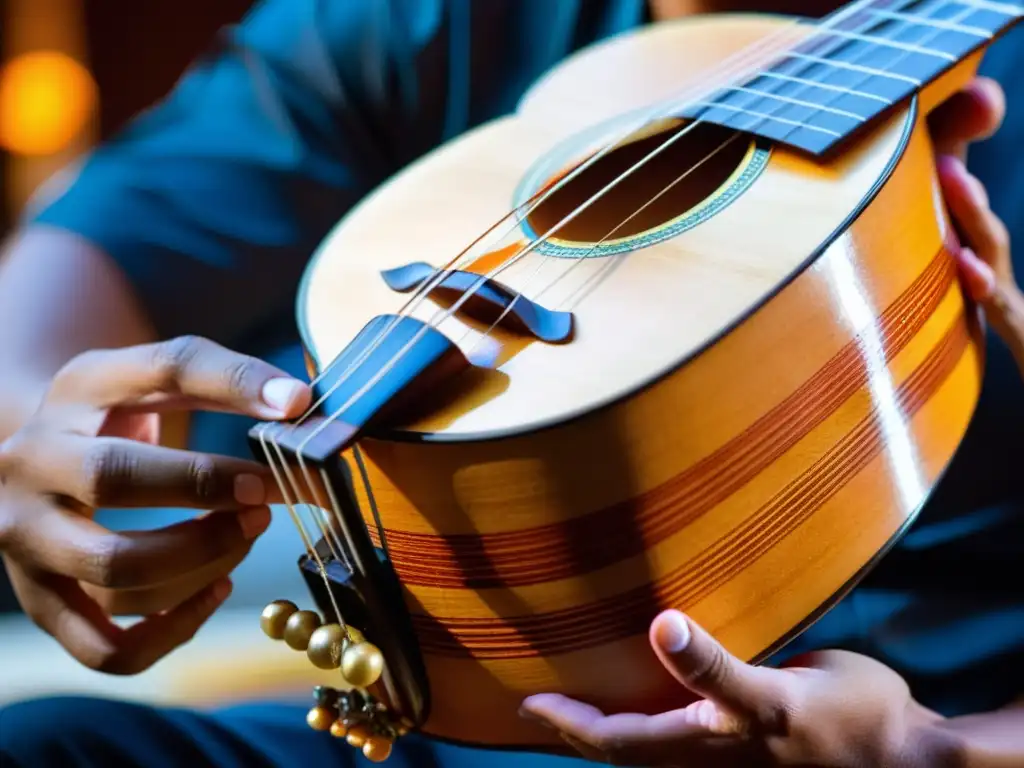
[{"x": 46, "y": 99}]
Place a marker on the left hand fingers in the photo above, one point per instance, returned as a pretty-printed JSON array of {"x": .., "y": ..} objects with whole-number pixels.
[
  {"x": 742, "y": 707},
  {"x": 988, "y": 260},
  {"x": 973, "y": 114},
  {"x": 629, "y": 738},
  {"x": 756, "y": 696},
  {"x": 166, "y": 597}
]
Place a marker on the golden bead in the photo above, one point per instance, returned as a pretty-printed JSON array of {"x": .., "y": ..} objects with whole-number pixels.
[
  {"x": 275, "y": 616},
  {"x": 325, "y": 646},
  {"x": 357, "y": 735},
  {"x": 362, "y": 664},
  {"x": 321, "y": 718},
  {"x": 377, "y": 749},
  {"x": 354, "y": 635},
  {"x": 299, "y": 628},
  {"x": 339, "y": 730}
]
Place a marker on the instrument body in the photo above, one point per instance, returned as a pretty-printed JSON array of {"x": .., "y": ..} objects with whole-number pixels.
[{"x": 751, "y": 410}]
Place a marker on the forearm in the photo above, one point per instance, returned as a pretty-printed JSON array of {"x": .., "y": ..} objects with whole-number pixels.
[{"x": 59, "y": 296}]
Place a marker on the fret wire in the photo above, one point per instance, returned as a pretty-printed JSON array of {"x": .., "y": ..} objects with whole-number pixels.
[
  {"x": 855, "y": 67},
  {"x": 765, "y": 116},
  {"x": 959, "y": 17},
  {"x": 790, "y": 53},
  {"x": 800, "y": 102},
  {"x": 842, "y": 65},
  {"x": 1007, "y": 9},
  {"x": 826, "y": 86},
  {"x": 908, "y": 47},
  {"x": 914, "y": 19},
  {"x": 833, "y": 47},
  {"x": 822, "y": 59}
]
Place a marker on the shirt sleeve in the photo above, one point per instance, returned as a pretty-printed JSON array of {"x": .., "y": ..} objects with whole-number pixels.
[{"x": 213, "y": 201}]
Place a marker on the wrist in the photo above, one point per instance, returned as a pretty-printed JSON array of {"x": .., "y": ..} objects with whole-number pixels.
[{"x": 926, "y": 743}]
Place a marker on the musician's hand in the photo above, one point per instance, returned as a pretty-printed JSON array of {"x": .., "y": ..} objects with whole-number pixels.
[
  {"x": 831, "y": 709},
  {"x": 93, "y": 443},
  {"x": 986, "y": 269}
]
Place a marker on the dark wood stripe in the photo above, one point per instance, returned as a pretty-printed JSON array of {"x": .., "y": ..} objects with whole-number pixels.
[
  {"x": 628, "y": 613},
  {"x": 624, "y": 530}
]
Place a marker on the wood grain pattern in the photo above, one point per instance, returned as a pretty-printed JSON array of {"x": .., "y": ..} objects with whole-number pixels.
[{"x": 750, "y": 412}]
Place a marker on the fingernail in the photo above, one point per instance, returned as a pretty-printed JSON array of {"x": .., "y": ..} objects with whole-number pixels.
[
  {"x": 281, "y": 394},
  {"x": 249, "y": 490},
  {"x": 673, "y": 632},
  {"x": 254, "y": 522}
]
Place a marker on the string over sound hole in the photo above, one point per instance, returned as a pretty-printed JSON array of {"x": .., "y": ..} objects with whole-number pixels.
[{"x": 630, "y": 192}]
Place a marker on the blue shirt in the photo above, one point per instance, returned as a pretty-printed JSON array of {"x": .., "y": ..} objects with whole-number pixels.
[{"x": 212, "y": 202}]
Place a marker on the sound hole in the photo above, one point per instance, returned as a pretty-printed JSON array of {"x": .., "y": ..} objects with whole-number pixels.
[{"x": 690, "y": 152}]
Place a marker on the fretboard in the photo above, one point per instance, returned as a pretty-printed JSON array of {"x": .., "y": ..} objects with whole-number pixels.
[{"x": 852, "y": 67}]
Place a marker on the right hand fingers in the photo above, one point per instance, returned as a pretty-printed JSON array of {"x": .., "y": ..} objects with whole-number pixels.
[
  {"x": 61, "y": 608},
  {"x": 60, "y": 542},
  {"x": 150, "y": 600},
  {"x": 111, "y": 472},
  {"x": 188, "y": 367}
]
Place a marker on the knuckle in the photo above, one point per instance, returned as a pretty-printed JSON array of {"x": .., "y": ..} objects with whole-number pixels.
[
  {"x": 108, "y": 564},
  {"x": 107, "y": 470},
  {"x": 99, "y": 654},
  {"x": 610, "y": 747},
  {"x": 714, "y": 669},
  {"x": 782, "y": 713},
  {"x": 1000, "y": 235},
  {"x": 109, "y": 659},
  {"x": 204, "y": 479},
  {"x": 172, "y": 357},
  {"x": 237, "y": 376}
]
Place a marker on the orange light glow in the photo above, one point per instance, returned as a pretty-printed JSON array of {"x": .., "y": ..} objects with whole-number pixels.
[{"x": 46, "y": 99}]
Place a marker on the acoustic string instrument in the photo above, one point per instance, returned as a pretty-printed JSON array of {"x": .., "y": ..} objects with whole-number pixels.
[{"x": 682, "y": 331}]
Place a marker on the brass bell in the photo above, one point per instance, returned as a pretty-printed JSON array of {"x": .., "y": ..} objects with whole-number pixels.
[
  {"x": 357, "y": 735},
  {"x": 321, "y": 718},
  {"x": 274, "y": 618},
  {"x": 362, "y": 664},
  {"x": 377, "y": 749},
  {"x": 299, "y": 628},
  {"x": 325, "y": 646}
]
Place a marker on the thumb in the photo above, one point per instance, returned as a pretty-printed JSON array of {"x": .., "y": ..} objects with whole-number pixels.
[{"x": 705, "y": 667}]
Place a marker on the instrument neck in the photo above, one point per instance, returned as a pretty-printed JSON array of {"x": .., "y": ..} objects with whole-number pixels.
[{"x": 851, "y": 67}]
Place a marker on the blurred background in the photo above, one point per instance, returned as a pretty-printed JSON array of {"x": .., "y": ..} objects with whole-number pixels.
[{"x": 72, "y": 73}]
